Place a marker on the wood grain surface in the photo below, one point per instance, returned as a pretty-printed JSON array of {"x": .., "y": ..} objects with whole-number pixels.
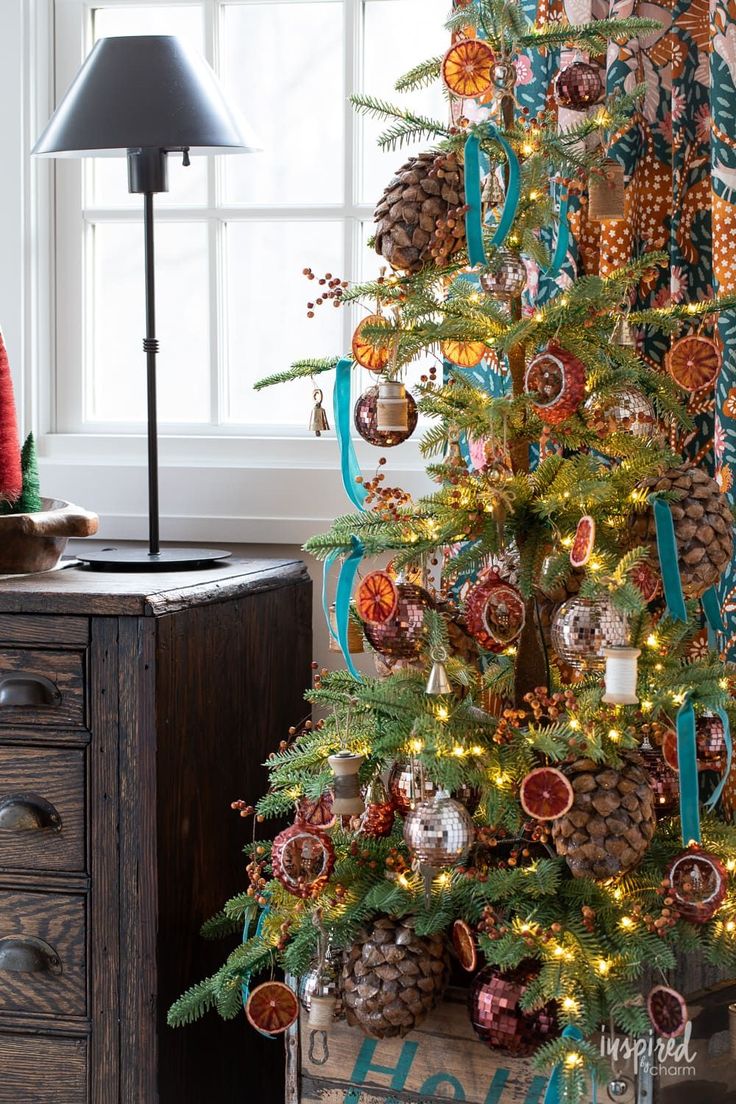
[
  {"x": 56, "y": 777},
  {"x": 38, "y": 1070},
  {"x": 60, "y": 921},
  {"x": 17, "y": 628},
  {"x": 64, "y": 669}
]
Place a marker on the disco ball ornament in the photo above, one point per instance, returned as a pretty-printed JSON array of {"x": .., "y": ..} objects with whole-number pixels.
[
  {"x": 579, "y": 85},
  {"x": 628, "y": 411},
  {"x": 556, "y": 379},
  {"x": 302, "y": 858},
  {"x": 322, "y": 980},
  {"x": 365, "y": 416},
  {"x": 494, "y": 612},
  {"x": 663, "y": 780},
  {"x": 439, "y": 832},
  {"x": 402, "y": 636},
  {"x": 710, "y": 740},
  {"x": 497, "y": 1019},
  {"x": 506, "y": 277},
  {"x": 697, "y": 882},
  {"x": 583, "y": 628},
  {"x": 408, "y": 785}
]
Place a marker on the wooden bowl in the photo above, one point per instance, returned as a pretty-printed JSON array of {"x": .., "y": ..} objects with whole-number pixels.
[{"x": 36, "y": 542}]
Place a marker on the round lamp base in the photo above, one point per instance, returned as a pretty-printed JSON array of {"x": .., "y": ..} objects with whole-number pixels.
[{"x": 136, "y": 557}]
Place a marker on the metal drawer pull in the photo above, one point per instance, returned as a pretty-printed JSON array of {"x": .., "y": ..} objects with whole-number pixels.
[
  {"x": 28, "y": 955},
  {"x": 28, "y": 690},
  {"x": 27, "y": 812}
]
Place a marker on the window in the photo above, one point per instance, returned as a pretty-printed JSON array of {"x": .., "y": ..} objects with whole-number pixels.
[{"x": 233, "y": 234}]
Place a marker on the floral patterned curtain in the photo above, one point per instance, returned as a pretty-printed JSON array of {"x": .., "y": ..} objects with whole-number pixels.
[{"x": 680, "y": 159}]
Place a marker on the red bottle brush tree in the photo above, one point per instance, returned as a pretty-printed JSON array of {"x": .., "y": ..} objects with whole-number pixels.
[{"x": 11, "y": 475}]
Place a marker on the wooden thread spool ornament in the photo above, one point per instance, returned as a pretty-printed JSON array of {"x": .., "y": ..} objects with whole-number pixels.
[
  {"x": 322, "y": 1011},
  {"x": 606, "y": 193},
  {"x": 621, "y": 671},
  {"x": 348, "y": 800},
  {"x": 392, "y": 408},
  {"x": 355, "y": 635}
]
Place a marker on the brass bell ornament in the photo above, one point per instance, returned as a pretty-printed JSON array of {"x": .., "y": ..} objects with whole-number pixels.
[{"x": 318, "y": 420}]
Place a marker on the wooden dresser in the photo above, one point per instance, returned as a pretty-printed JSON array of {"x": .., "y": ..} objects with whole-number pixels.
[{"x": 133, "y": 709}]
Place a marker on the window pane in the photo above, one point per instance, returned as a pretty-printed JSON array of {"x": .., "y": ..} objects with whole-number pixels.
[
  {"x": 397, "y": 35},
  {"x": 283, "y": 62},
  {"x": 107, "y": 177},
  {"x": 267, "y": 323},
  {"x": 116, "y": 378}
]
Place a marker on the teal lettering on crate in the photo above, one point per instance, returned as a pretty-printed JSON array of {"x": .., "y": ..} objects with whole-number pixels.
[
  {"x": 431, "y": 1084},
  {"x": 399, "y": 1073}
]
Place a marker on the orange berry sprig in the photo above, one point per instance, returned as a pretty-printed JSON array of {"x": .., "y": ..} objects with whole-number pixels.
[{"x": 334, "y": 290}]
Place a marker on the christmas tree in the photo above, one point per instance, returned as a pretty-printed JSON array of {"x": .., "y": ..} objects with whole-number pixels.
[{"x": 539, "y": 775}]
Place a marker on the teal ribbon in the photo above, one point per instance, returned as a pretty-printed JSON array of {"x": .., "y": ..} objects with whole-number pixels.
[
  {"x": 553, "y": 1092},
  {"x": 668, "y": 559},
  {"x": 687, "y": 761},
  {"x": 474, "y": 213},
  {"x": 349, "y": 468},
  {"x": 326, "y": 568},
  {"x": 245, "y": 988},
  {"x": 345, "y": 580},
  {"x": 715, "y": 797},
  {"x": 563, "y": 237},
  {"x": 712, "y": 611}
]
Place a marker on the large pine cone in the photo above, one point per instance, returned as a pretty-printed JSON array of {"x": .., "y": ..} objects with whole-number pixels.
[
  {"x": 392, "y": 977},
  {"x": 611, "y": 822},
  {"x": 703, "y": 526},
  {"x": 420, "y": 216}
]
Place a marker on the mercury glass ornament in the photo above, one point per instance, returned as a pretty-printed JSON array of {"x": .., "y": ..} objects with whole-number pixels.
[
  {"x": 583, "y": 627},
  {"x": 628, "y": 411},
  {"x": 402, "y": 636},
  {"x": 710, "y": 741},
  {"x": 321, "y": 980},
  {"x": 504, "y": 76},
  {"x": 497, "y": 1019},
  {"x": 365, "y": 416},
  {"x": 439, "y": 832},
  {"x": 302, "y": 858},
  {"x": 698, "y": 882},
  {"x": 378, "y": 818},
  {"x": 507, "y": 276},
  {"x": 663, "y": 780},
  {"x": 620, "y": 1088},
  {"x": 408, "y": 784}
]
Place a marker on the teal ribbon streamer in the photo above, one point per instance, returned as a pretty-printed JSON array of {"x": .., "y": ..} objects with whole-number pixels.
[
  {"x": 349, "y": 468},
  {"x": 474, "y": 213},
  {"x": 563, "y": 237},
  {"x": 715, "y": 797},
  {"x": 668, "y": 559},
  {"x": 687, "y": 760},
  {"x": 712, "y": 611},
  {"x": 245, "y": 988},
  {"x": 350, "y": 565},
  {"x": 553, "y": 1092},
  {"x": 326, "y": 568}
]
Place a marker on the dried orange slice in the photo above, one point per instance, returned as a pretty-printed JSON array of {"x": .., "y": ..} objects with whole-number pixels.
[
  {"x": 466, "y": 354},
  {"x": 467, "y": 68},
  {"x": 546, "y": 794},
  {"x": 669, "y": 749},
  {"x": 377, "y": 598},
  {"x": 694, "y": 362},
  {"x": 365, "y": 352},
  {"x": 667, "y": 1011},
  {"x": 318, "y": 813},
  {"x": 463, "y": 941},
  {"x": 272, "y": 1008},
  {"x": 584, "y": 542},
  {"x": 647, "y": 580}
]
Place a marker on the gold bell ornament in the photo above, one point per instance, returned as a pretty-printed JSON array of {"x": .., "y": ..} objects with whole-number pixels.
[
  {"x": 318, "y": 420},
  {"x": 624, "y": 334},
  {"x": 438, "y": 682}
]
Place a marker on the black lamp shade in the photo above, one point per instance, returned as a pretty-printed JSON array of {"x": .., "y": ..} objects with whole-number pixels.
[{"x": 143, "y": 91}]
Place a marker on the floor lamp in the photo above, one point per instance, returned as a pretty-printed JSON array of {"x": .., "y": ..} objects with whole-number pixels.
[{"x": 146, "y": 96}]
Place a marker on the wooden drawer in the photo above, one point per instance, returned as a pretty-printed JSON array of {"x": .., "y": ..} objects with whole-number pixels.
[
  {"x": 42, "y": 953},
  {"x": 41, "y": 809},
  {"x": 39, "y": 1070},
  {"x": 41, "y": 688}
]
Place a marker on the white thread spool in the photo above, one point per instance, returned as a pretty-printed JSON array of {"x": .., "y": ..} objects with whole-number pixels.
[
  {"x": 348, "y": 800},
  {"x": 322, "y": 1011},
  {"x": 392, "y": 409},
  {"x": 621, "y": 676}
]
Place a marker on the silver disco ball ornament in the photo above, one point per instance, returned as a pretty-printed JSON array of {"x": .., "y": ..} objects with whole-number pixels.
[
  {"x": 507, "y": 276},
  {"x": 628, "y": 411},
  {"x": 583, "y": 627},
  {"x": 439, "y": 832}
]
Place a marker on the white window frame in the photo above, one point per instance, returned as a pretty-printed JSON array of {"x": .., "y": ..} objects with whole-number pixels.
[{"x": 275, "y": 484}]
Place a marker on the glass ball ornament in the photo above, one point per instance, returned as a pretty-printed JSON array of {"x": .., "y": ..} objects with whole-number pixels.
[
  {"x": 579, "y": 85},
  {"x": 494, "y": 612},
  {"x": 365, "y": 417},
  {"x": 506, "y": 277},
  {"x": 302, "y": 858},
  {"x": 322, "y": 980},
  {"x": 583, "y": 627},
  {"x": 402, "y": 636},
  {"x": 710, "y": 741},
  {"x": 628, "y": 411},
  {"x": 556, "y": 379},
  {"x": 697, "y": 882},
  {"x": 439, "y": 832},
  {"x": 408, "y": 784},
  {"x": 497, "y": 1019}
]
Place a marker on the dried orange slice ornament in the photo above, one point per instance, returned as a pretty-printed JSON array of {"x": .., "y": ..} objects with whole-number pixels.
[
  {"x": 466, "y": 354},
  {"x": 467, "y": 68},
  {"x": 584, "y": 542},
  {"x": 667, "y": 1011},
  {"x": 669, "y": 750},
  {"x": 272, "y": 1008},
  {"x": 463, "y": 941},
  {"x": 646, "y": 580},
  {"x": 376, "y": 598},
  {"x": 694, "y": 362},
  {"x": 365, "y": 352},
  {"x": 546, "y": 794}
]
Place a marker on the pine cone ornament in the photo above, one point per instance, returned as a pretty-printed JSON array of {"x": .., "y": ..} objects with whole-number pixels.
[
  {"x": 612, "y": 820},
  {"x": 420, "y": 216},
  {"x": 392, "y": 977},
  {"x": 703, "y": 526}
]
